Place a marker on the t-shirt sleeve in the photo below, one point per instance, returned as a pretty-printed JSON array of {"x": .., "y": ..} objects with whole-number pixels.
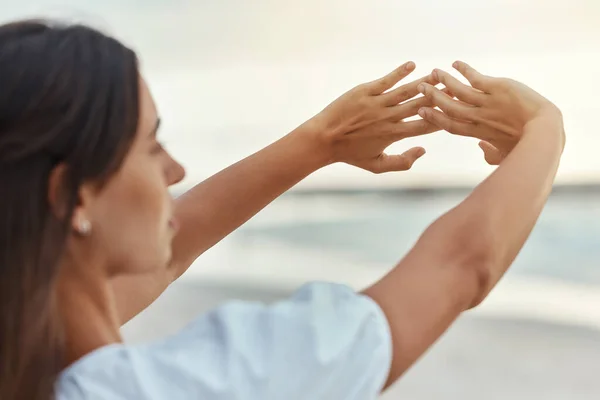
[{"x": 324, "y": 342}]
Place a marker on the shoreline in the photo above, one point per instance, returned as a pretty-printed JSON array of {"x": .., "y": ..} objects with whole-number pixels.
[{"x": 562, "y": 189}]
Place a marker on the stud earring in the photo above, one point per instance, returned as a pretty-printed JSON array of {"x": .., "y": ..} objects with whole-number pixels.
[{"x": 84, "y": 227}]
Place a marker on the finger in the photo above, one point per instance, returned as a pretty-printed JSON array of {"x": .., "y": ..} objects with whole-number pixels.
[
  {"x": 405, "y": 92},
  {"x": 452, "y": 108},
  {"x": 476, "y": 79},
  {"x": 396, "y": 162},
  {"x": 456, "y": 127},
  {"x": 409, "y": 108},
  {"x": 405, "y": 129},
  {"x": 492, "y": 155},
  {"x": 463, "y": 92},
  {"x": 387, "y": 82}
]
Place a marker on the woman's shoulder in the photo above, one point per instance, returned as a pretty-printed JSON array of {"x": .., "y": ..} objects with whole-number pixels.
[
  {"x": 104, "y": 373},
  {"x": 322, "y": 330}
]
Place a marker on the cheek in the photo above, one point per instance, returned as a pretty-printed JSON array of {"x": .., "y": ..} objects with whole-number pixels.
[
  {"x": 134, "y": 220},
  {"x": 138, "y": 199}
]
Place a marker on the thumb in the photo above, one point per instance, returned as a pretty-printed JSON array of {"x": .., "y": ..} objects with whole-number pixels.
[
  {"x": 492, "y": 155},
  {"x": 397, "y": 162}
]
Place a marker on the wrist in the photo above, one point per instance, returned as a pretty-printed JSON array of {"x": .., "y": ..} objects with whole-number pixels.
[
  {"x": 551, "y": 119},
  {"x": 551, "y": 113},
  {"x": 313, "y": 137}
]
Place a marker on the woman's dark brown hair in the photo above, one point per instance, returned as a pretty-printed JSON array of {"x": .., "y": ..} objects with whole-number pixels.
[{"x": 68, "y": 96}]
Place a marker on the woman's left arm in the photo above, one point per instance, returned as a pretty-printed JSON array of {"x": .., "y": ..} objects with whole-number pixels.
[{"x": 355, "y": 129}]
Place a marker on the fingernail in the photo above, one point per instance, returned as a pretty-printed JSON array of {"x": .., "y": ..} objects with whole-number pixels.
[
  {"x": 423, "y": 112},
  {"x": 421, "y": 88},
  {"x": 409, "y": 65},
  {"x": 434, "y": 74},
  {"x": 456, "y": 64}
]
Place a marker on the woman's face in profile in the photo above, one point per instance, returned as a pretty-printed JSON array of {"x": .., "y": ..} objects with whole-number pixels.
[{"x": 131, "y": 216}]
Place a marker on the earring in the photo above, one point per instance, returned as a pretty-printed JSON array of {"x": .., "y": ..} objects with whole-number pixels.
[{"x": 84, "y": 227}]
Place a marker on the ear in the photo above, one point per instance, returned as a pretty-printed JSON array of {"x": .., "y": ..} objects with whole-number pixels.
[
  {"x": 57, "y": 191},
  {"x": 81, "y": 221},
  {"x": 58, "y": 200}
]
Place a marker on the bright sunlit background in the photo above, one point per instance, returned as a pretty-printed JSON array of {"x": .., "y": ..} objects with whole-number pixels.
[{"x": 230, "y": 76}]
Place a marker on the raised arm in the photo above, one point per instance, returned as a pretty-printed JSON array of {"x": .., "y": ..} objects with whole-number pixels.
[
  {"x": 463, "y": 254},
  {"x": 355, "y": 129}
]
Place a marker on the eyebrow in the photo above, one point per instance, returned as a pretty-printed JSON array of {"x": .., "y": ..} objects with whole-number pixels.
[{"x": 156, "y": 127}]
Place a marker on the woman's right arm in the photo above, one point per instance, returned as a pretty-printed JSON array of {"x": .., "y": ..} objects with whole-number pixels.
[{"x": 463, "y": 254}]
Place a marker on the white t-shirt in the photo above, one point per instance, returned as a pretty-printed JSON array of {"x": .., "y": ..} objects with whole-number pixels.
[{"x": 324, "y": 342}]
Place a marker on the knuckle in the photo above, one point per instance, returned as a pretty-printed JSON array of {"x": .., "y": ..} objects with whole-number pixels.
[
  {"x": 386, "y": 81},
  {"x": 503, "y": 82},
  {"x": 381, "y": 82},
  {"x": 452, "y": 127},
  {"x": 429, "y": 127},
  {"x": 452, "y": 113},
  {"x": 402, "y": 94},
  {"x": 476, "y": 80},
  {"x": 421, "y": 102},
  {"x": 363, "y": 102},
  {"x": 419, "y": 126},
  {"x": 404, "y": 163},
  {"x": 414, "y": 107},
  {"x": 360, "y": 89}
]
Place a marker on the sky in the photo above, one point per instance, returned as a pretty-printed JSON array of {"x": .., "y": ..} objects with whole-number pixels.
[{"x": 230, "y": 76}]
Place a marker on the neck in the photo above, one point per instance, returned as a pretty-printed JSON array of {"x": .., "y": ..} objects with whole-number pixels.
[{"x": 88, "y": 311}]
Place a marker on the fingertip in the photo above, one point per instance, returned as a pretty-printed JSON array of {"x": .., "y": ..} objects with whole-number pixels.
[
  {"x": 486, "y": 146},
  {"x": 409, "y": 66},
  {"x": 411, "y": 155},
  {"x": 424, "y": 112},
  {"x": 456, "y": 64}
]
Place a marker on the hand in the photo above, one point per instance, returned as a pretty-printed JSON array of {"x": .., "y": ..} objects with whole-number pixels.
[
  {"x": 358, "y": 126},
  {"x": 494, "y": 110}
]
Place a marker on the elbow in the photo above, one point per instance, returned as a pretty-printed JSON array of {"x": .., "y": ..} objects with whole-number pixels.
[
  {"x": 475, "y": 258},
  {"x": 469, "y": 249}
]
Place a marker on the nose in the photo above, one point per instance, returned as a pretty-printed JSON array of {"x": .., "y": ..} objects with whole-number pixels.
[{"x": 175, "y": 171}]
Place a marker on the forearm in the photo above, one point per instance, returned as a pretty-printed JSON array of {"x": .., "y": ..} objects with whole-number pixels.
[
  {"x": 464, "y": 253},
  {"x": 505, "y": 207},
  {"x": 374, "y": 115},
  {"x": 216, "y": 207}
]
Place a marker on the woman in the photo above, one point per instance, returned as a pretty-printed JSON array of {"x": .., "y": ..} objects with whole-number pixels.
[{"x": 89, "y": 235}]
